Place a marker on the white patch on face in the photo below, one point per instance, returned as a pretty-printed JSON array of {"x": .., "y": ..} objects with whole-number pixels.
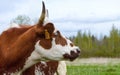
[{"x": 56, "y": 52}]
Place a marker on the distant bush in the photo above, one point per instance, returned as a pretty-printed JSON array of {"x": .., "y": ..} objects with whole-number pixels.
[{"x": 106, "y": 46}]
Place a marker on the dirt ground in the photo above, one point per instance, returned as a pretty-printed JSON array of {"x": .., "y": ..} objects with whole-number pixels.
[{"x": 94, "y": 61}]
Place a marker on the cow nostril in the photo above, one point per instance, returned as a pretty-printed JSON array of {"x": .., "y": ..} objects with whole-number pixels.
[
  {"x": 78, "y": 51},
  {"x": 73, "y": 55},
  {"x": 72, "y": 52}
]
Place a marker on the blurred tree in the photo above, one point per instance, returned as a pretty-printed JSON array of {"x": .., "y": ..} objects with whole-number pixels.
[
  {"x": 114, "y": 40},
  {"x": 21, "y": 19},
  {"x": 105, "y": 46}
]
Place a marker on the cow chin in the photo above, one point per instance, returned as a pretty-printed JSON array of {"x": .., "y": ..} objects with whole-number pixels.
[
  {"x": 72, "y": 56},
  {"x": 57, "y": 52}
]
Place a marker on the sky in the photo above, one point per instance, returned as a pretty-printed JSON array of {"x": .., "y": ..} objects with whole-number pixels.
[{"x": 69, "y": 16}]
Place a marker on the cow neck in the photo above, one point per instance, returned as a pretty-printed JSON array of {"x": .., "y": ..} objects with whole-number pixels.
[{"x": 21, "y": 49}]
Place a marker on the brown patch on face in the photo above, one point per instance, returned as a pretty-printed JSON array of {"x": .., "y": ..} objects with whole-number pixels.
[
  {"x": 71, "y": 45},
  {"x": 46, "y": 43},
  {"x": 60, "y": 40}
]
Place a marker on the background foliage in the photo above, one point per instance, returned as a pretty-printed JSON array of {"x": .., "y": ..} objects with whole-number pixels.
[
  {"x": 21, "y": 19},
  {"x": 106, "y": 46}
]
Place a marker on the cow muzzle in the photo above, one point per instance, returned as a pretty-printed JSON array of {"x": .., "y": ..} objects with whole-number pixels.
[{"x": 73, "y": 55}]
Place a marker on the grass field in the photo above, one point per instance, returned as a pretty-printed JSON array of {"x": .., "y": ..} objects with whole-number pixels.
[{"x": 108, "y": 68}]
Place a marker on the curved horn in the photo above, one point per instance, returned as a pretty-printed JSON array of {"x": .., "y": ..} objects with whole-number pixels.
[
  {"x": 47, "y": 13},
  {"x": 42, "y": 17}
]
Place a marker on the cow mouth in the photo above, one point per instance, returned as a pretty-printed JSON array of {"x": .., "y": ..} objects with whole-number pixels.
[{"x": 72, "y": 56}]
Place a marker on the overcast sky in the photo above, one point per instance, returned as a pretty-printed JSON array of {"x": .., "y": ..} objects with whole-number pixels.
[{"x": 69, "y": 16}]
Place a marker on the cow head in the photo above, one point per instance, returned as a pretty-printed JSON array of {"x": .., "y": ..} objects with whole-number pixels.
[{"x": 51, "y": 44}]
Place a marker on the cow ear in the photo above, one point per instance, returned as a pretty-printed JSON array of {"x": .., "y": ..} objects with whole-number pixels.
[
  {"x": 50, "y": 28},
  {"x": 42, "y": 17}
]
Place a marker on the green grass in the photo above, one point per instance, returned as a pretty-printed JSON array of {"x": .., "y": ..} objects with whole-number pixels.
[{"x": 109, "y": 69}]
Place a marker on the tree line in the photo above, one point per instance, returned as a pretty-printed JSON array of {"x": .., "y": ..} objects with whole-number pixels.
[{"x": 91, "y": 46}]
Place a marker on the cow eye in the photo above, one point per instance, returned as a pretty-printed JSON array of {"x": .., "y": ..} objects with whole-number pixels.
[{"x": 55, "y": 33}]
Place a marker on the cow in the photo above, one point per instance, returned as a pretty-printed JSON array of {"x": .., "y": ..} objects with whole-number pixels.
[
  {"x": 45, "y": 68},
  {"x": 23, "y": 49}
]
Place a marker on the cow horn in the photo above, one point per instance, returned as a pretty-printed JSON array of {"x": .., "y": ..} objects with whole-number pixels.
[
  {"x": 47, "y": 13},
  {"x": 42, "y": 17}
]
